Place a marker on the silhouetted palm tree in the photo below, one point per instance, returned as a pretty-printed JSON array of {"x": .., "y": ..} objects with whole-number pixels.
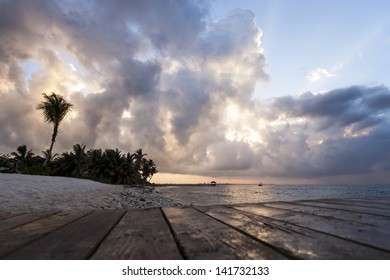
[
  {"x": 138, "y": 158},
  {"x": 116, "y": 171},
  {"x": 22, "y": 153},
  {"x": 21, "y": 157},
  {"x": 54, "y": 109},
  {"x": 95, "y": 164},
  {"x": 51, "y": 157},
  {"x": 148, "y": 169},
  {"x": 79, "y": 160}
]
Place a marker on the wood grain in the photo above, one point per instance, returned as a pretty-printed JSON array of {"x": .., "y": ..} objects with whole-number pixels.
[
  {"x": 348, "y": 207},
  {"x": 140, "y": 235},
  {"x": 310, "y": 229},
  {"x": 295, "y": 241},
  {"x": 368, "y": 234},
  {"x": 361, "y": 218},
  {"x": 15, "y": 238},
  {"x": 18, "y": 220},
  {"x": 77, "y": 240},
  {"x": 202, "y": 237}
]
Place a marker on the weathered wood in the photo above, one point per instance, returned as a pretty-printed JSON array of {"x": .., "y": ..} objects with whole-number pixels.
[
  {"x": 15, "y": 238},
  {"x": 353, "y": 208},
  {"x": 365, "y": 203},
  {"x": 318, "y": 229},
  {"x": 369, "y": 235},
  {"x": 202, "y": 237},
  {"x": 77, "y": 240},
  {"x": 295, "y": 241},
  {"x": 361, "y": 218},
  {"x": 140, "y": 235},
  {"x": 9, "y": 215},
  {"x": 18, "y": 220},
  {"x": 376, "y": 201}
]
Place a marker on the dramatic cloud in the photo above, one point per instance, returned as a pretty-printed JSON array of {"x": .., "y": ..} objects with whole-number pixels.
[
  {"x": 344, "y": 131},
  {"x": 164, "y": 77}
]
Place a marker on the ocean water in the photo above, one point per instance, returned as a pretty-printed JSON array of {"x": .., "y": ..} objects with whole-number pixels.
[{"x": 231, "y": 194}]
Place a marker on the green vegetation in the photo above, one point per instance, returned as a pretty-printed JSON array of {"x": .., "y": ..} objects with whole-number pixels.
[{"x": 108, "y": 166}]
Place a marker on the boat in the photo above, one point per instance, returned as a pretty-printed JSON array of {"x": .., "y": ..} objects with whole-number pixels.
[{"x": 260, "y": 184}]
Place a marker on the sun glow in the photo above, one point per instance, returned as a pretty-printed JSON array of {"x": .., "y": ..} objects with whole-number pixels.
[
  {"x": 239, "y": 126},
  {"x": 232, "y": 113},
  {"x": 72, "y": 115},
  {"x": 126, "y": 114},
  {"x": 6, "y": 85}
]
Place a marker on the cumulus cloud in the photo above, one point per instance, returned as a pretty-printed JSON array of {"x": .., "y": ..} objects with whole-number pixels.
[
  {"x": 318, "y": 74},
  {"x": 163, "y": 77},
  {"x": 338, "y": 132},
  {"x": 322, "y": 73}
]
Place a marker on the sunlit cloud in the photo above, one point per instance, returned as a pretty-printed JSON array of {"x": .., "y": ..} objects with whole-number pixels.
[
  {"x": 318, "y": 74},
  {"x": 322, "y": 73}
]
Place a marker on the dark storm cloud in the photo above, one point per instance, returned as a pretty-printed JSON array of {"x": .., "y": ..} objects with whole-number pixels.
[
  {"x": 343, "y": 107},
  {"x": 354, "y": 140},
  {"x": 333, "y": 103}
]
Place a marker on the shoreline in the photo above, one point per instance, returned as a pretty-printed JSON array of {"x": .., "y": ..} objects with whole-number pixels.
[{"x": 33, "y": 193}]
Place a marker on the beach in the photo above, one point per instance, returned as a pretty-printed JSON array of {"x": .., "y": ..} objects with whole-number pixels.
[{"x": 28, "y": 193}]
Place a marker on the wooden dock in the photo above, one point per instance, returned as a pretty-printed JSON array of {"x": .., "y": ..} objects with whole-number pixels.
[{"x": 310, "y": 229}]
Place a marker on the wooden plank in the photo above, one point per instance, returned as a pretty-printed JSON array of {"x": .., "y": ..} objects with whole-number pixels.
[
  {"x": 295, "y": 241},
  {"x": 361, "y": 218},
  {"x": 15, "y": 238},
  {"x": 362, "y": 203},
  {"x": 140, "y": 235},
  {"x": 77, "y": 240},
  {"x": 353, "y": 208},
  {"x": 202, "y": 237},
  {"x": 369, "y": 235},
  {"x": 18, "y": 220},
  {"x": 384, "y": 202},
  {"x": 9, "y": 215}
]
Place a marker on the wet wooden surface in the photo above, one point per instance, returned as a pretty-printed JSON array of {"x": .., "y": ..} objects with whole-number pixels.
[{"x": 328, "y": 229}]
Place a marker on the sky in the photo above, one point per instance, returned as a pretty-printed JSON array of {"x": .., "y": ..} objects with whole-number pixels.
[{"x": 244, "y": 91}]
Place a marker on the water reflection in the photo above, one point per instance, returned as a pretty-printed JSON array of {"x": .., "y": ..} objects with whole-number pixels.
[{"x": 233, "y": 194}]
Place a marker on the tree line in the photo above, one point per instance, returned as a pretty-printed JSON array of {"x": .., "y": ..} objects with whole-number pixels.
[{"x": 109, "y": 166}]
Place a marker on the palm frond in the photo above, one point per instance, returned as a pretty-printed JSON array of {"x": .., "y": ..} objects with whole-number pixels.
[{"x": 54, "y": 108}]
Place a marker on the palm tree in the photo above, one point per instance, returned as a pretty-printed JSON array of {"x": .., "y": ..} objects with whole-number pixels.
[
  {"x": 52, "y": 157},
  {"x": 138, "y": 157},
  {"x": 116, "y": 166},
  {"x": 54, "y": 109},
  {"x": 79, "y": 156},
  {"x": 148, "y": 170},
  {"x": 21, "y": 156},
  {"x": 22, "y": 153},
  {"x": 95, "y": 164}
]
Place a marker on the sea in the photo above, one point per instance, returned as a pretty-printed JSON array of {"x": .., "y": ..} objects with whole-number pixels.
[{"x": 232, "y": 194}]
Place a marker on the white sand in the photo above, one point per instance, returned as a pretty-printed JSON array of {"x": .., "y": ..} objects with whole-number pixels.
[{"x": 27, "y": 193}]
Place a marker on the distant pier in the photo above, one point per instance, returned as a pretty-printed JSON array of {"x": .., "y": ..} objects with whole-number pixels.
[{"x": 328, "y": 229}]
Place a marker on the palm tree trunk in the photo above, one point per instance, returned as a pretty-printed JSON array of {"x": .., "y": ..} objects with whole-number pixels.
[{"x": 53, "y": 139}]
